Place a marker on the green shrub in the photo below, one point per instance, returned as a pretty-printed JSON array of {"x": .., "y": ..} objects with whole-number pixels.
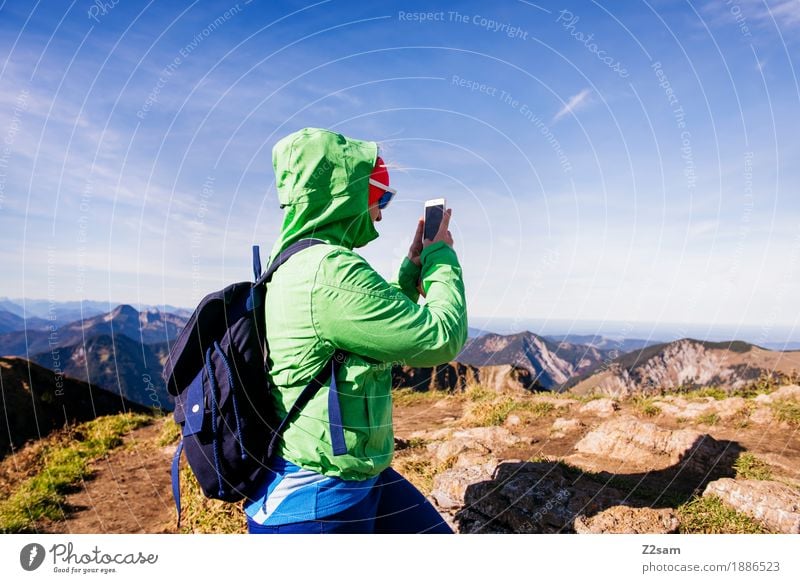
[
  {"x": 749, "y": 467},
  {"x": 645, "y": 405},
  {"x": 710, "y": 515},
  {"x": 787, "y": 410},
  {"x": 708, "y": 419}
]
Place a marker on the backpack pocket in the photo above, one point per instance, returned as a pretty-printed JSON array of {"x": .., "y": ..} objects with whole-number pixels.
[{"x": 190, "y": 406}]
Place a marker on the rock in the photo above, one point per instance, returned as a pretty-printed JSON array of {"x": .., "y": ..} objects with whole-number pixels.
[
  {"x": 773, "y": 503},
  {"x": 479, "y": 440},
  {"x": 450, "y": 485},
  {"x": 600, "y": 407},
  {"x": 681, "y": 407},
  {"x": 455, "y": 447},
  {"x": 762, "y": 415},
  {"x": 650, "y": 447},
  {"x": 433, "y": 435},
  {"x": 562, "y": 426},
  {"x": 785, "y": 392},
  {"x": 512, "y": 421},
  {"x": 525, "y": 497},
  {"x": 731, "y": 407},
  {"x": 471, "y": 458},
  {"x": 629, "y": 520}
]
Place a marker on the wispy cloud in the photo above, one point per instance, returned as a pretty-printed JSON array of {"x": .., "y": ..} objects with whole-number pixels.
[
  {"x": 786, "y": 12},
  {"x": 751, "y": 13},
  {"x": 575, "y": 102}
]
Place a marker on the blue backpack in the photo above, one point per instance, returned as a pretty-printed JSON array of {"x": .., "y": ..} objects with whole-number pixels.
[{"x": 217, "y": 371}]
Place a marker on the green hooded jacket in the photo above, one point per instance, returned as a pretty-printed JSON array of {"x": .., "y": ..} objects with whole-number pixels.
[{"x": 328, "y": 297}]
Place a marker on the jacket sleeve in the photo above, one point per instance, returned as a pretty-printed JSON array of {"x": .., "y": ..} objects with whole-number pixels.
[
  {"x": 407, "y": 279},
  {"x": 354, "y": 309}
]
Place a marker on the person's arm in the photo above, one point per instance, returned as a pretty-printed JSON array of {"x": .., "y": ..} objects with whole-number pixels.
[
  {"x": 356, "y": 310},
  {"x": 407, "y": 279}
]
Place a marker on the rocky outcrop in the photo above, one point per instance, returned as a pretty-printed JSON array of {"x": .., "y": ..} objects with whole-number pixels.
[
  {"x": 775, "y": 504},
  {"x": 785, "y": 392},
  {"x": 681, "y": 407},
  {"x": 477, "y": 440},
  {"x": 600, "y": 407},
  {"x": 562, "y": 426},
  {"x": 527, "y": 497},
  {"x": 647, "y": 446}
]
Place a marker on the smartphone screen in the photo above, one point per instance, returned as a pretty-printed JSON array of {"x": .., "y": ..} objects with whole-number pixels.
[{"x": 434, "y": 211}]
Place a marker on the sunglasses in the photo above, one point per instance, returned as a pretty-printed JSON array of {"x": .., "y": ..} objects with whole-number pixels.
[{"x": 386, "y": 197}]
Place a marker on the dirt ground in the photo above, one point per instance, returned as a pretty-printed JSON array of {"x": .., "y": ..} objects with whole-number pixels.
[{"x": 130, "y": 491}]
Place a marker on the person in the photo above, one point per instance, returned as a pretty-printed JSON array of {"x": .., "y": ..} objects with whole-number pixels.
[{"x": 327, "y": 298}]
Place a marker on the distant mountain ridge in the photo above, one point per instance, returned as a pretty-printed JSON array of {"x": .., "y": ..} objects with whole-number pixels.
[
  {"x": 121, "y": 351},
  {"x": 621, "y": 346},
  {"x": 551, "y": 363},
  {"x": 685, "y": 363},
  {"x": 119, "y": 365},
  {"x": 148, "y": 327}
]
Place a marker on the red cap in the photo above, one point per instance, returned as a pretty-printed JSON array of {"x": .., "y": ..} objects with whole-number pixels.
[{"x": 379, "y": 174}]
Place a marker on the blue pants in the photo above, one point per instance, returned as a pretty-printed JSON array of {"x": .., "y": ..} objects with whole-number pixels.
[{"x": 393, "y": 506}]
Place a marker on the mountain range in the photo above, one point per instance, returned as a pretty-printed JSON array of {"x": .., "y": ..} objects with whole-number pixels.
[
  {"x": 550, "y": 363},
  {"x": 686, "y": 364},
  {"x": 121, "y": 351},
  {"x": 620, "y": 345}
]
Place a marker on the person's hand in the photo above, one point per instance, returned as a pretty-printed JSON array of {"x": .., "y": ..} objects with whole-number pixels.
[
  {"x": 443, "y": 234},
  {"x": 416, "y": 245}
]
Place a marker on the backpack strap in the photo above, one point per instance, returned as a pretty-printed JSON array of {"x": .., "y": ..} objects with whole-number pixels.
[
  {"x": 284, "y": 255},
  {"x": 331, "y": 368},
  {"x": 256, "y": 262},
  {"x": 176, "y": 480},
  {"x": 334, "y": 410},
  {"x": 334, "y": 413}
]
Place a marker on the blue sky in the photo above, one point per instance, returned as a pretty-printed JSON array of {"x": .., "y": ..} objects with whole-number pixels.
[{"x": 608, "y": 161}]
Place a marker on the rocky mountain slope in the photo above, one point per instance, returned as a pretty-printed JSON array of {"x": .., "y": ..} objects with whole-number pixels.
[
  {"x": 550, "y": 363},
  {"x": 35, "y": 402},
  {"x": 119, "y": 365},
  {"x": 686, "y": 363}
]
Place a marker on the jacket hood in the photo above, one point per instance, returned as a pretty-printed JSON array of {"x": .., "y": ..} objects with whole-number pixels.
[{"x": 322, "y": 180}]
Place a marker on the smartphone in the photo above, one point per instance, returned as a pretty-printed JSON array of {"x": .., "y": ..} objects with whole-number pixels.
[{"x": 434, "y": 211}]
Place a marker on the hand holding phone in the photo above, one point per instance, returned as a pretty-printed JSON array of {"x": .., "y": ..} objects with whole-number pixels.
[{"x": 437, "y": 222}]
